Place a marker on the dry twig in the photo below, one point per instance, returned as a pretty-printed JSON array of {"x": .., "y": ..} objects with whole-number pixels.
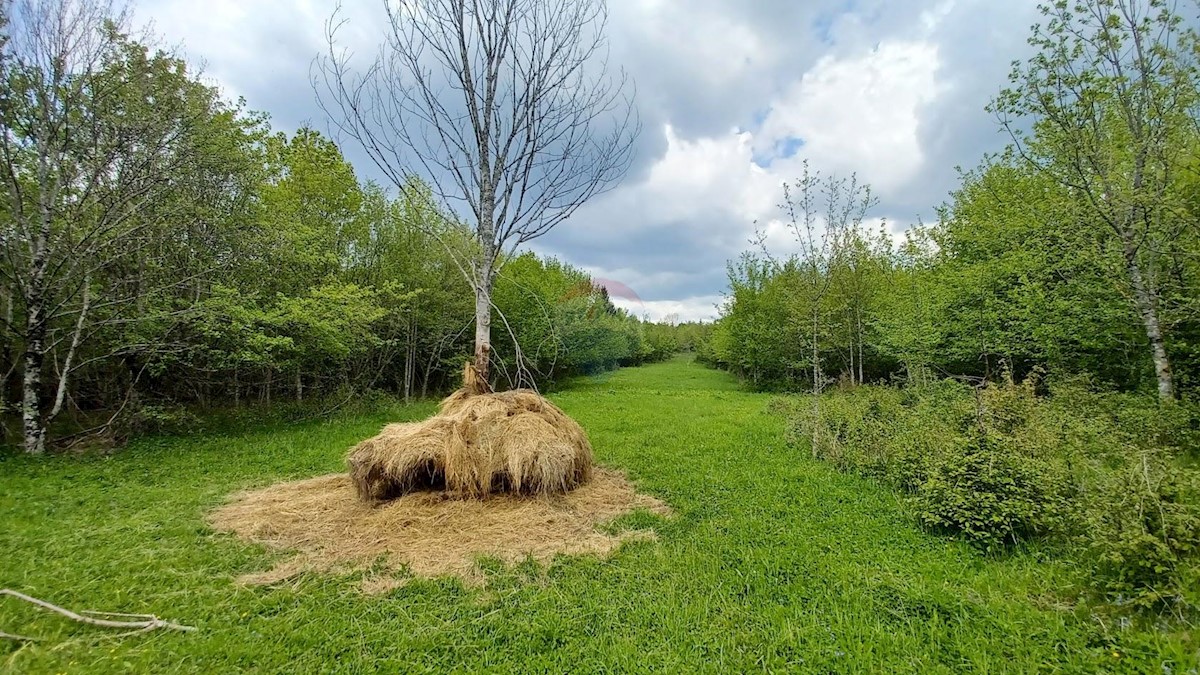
[{"x": 137, "y": 623}]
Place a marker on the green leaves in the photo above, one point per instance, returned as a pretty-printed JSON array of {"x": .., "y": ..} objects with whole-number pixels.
[
  {"x": 1098, "y": 473},
  {"x": 567, "y": 325}
]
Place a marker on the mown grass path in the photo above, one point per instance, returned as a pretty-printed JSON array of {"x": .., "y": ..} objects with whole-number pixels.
[{"x": 773, "y": 562}]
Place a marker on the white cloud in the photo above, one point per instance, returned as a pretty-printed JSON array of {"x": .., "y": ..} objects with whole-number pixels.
[
  {"x": 253, "y": 47},
  {"x": 706, "y": 173},
  {"x": 693, "y": 182},
  {"x": 932, "y": 18},
  {"x": 710, "y": 45},
  {"x": 860, "y": 114},
  {"x": 701, "y": 308}
]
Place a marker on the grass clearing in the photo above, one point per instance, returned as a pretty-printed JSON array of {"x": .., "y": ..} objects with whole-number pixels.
[{"x": 773, "y": 561}]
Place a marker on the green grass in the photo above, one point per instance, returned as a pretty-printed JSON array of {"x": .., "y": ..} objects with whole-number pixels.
[{"x": 773, "y": 562}]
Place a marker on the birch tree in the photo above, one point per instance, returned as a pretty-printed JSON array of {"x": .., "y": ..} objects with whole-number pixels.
[
  {"x": 506, "y": 108},
  {"x": 1111, "y": 95},
  {"x": 94, "y": 130}
]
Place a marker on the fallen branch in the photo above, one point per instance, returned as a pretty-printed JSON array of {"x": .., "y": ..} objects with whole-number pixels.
[{"x": 137, "y": 623}]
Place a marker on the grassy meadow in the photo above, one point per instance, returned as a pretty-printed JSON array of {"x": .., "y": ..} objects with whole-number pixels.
[{"x": 773, "y": 562}]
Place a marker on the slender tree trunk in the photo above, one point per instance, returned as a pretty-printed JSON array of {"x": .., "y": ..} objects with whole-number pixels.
[
  {"x": 411, "y": 368},
  {"x": 299, "y": 385},
  {"x": 35, "y": 346},
  {"x": 35, "y": 433},
  {"x": 7, "y": 364},
  {"x": 816, "y": 392},
  {"x": 237, "y": 389},
  {"x": 408, "y": 365},
  {"x": 410, "y": 357},
  {"x": 850, "y": 331},
  {"x": 861, "y": 340},
  {"x": 425, "y": 378},
  {"x": 1144, "y": 299},
  {"x": 64, "y": 377},
  {"x": 816, "y": 354},
  {"x": 434, "y": 355},
  {"x": 483, "y": 323}
]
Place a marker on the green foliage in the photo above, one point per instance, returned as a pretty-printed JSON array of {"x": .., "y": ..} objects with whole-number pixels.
[
  {"x": 1141, "y": 532},
  {"x": 998, "y": 465},
  {"x": 282, "y": 274},
  {"x": 565, "y": 325},
  {"x": 991, "y": 490},
  {"x": 760, "y": 335},
  {"x": 1073, "y": 252},
  {"x": 662, "y": 342}
]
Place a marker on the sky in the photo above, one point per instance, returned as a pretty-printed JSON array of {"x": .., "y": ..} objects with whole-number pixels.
[{"x": 734, "y": 95}]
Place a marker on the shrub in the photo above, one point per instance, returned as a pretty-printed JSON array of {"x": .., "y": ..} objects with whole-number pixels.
[
  {"x": 973, "y": 463},
  {"x": 999, "y": 463},
  {"x": 992, "y": 492},
  {"x": 1141, "y": 533},
  {"x": 157, "y": 420}
]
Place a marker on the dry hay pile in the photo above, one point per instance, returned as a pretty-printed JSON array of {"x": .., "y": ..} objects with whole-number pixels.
[
  {"x": 432, "y": 533},
  {"x": 477, "y": 444},
  {"x": 505, "y": 475}
]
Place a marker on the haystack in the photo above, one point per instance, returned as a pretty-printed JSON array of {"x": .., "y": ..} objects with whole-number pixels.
[{"x": 478, "y": 444}]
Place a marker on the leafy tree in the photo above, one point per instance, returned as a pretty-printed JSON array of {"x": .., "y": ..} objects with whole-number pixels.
[
  {"x": 99, "y": 135},
  {"x": 1111, "y": 95}
]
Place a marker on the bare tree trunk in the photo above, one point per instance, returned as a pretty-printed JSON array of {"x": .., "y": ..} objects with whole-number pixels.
[
  {"x": 35, "y": 345},
  {"x": 816, "y": 354},
  {"x": 65, "y": 375},
  {"x": 483, "y": 323},
  {"x": 35, "y": 434},
  {"x": 425, "y": 378},
  {"x": 852, "y": 343},
  {"x": 430, "y": 363},
  {"x": 410, "y": 359},
  {"x": 1145, "y": 301},
  {"x": 408, "y": 364},
  {"x": 816, "y": 392},
  {"x": 411, "y": 369},
  {"x": 861, "y": 340},
  {"x": 6, "y": 358},
  {"x": 299, "y": 385}
]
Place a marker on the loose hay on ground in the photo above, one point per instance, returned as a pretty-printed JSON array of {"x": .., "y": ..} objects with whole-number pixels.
[{"x": 432, "y": 533}]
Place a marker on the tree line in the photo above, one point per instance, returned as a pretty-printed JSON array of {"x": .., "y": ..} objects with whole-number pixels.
[
  {"x": 164, "y": 245},
  {"x": 1076, "y": 251}
]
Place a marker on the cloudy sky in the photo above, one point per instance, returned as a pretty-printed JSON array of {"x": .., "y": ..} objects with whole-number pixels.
[{"x": 733, "y": 96}]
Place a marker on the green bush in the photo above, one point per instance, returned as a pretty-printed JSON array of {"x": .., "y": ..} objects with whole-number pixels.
[
  {"x": 992, "y": 493},
  {"x": 152, "y": 419},
  {"x": 1141, "y": 532},
  {"x": 998, "y": 464}
]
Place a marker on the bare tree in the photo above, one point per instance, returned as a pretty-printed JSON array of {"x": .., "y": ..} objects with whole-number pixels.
[
  {"x": 91, "y": 131},
  {"x": 819, "y": 211},
  {"x": 506, "y": 107}
]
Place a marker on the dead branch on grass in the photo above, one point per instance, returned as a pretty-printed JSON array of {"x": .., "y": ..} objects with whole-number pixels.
[{"x": 135, "y": 623}]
